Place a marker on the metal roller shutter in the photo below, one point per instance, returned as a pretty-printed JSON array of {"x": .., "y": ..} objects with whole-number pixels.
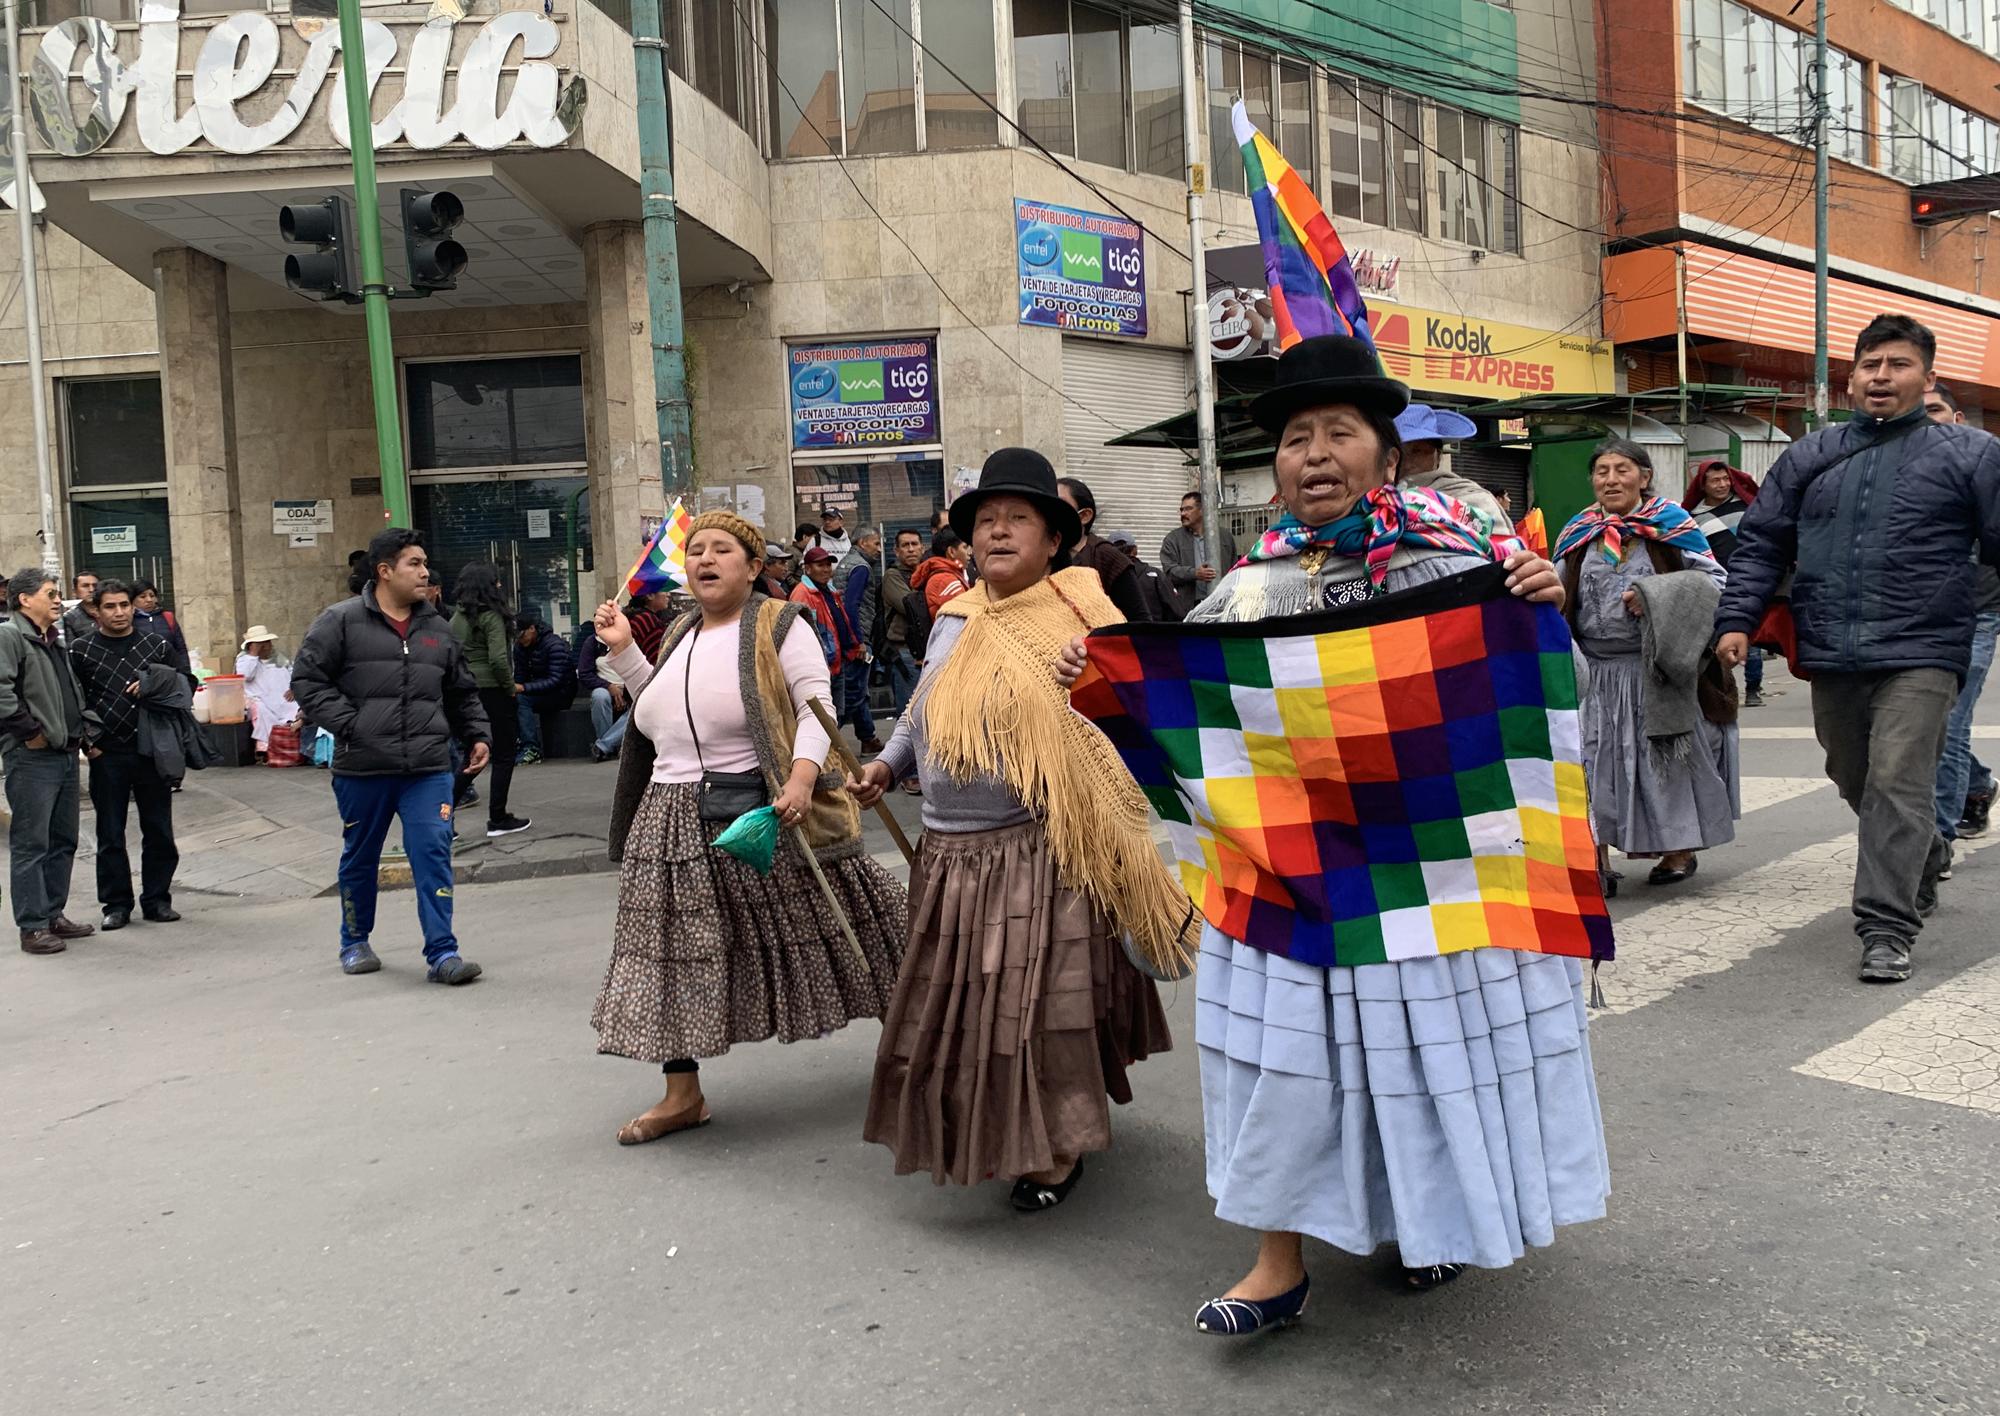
[
  {"x": 1498, "y": 469},
  {"x": 1111, "y": 389}
]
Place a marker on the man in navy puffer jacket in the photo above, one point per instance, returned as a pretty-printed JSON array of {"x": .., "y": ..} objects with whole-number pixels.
[{"x": 1878, "y": 514}]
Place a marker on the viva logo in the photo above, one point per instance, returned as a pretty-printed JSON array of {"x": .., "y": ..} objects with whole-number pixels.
[
  {"x": 1083, "y": 257},
  {"x": 860, "y": 380}
]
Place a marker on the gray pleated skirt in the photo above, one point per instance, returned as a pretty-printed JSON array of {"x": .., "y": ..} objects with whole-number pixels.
[
  {"x": 1636, "y": 803},
  {"x": 1445, "y": 1105}
]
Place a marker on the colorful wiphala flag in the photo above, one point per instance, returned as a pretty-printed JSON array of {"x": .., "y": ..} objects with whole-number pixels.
[
  {"x": 1310, "y": 277},
  {"x": 663, "y": 564},
  {"x": 1397, "y": 779}
]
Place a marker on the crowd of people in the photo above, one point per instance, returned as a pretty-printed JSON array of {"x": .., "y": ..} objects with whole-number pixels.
[{"x": 1015, "y": 977}]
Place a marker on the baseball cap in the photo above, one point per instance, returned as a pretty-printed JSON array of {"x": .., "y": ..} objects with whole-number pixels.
[
  {"x": 775, "y": 552},
  {"x": 816, "y": 555}
]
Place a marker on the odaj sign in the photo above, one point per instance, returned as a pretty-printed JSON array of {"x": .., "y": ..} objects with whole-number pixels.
[
  {"x": 239, "y": 58},
  {"x": 1435, "y": 352},
  {"x": 1080, "y": 271},
  {"x": 880, "y": 393}
]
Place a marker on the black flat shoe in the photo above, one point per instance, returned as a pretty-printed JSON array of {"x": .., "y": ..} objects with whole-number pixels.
[
  {"x": 1423, "y": 1280},
  {"x": 1031, "y": 1195},
  {"x": 163, "y": 914},
  {"x": 1663, "y": 876},
  {"x": 116, "y": 919}
]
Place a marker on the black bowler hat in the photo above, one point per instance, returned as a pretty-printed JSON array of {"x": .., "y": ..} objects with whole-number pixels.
[
  {"x": 1018, "y": 472},
  {"x": 1324, "y": 370}
]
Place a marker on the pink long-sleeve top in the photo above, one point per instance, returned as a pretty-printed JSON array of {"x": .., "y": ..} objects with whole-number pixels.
[{"x": 703, "y": 677}]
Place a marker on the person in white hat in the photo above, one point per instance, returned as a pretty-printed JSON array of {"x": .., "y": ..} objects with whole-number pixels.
[
  {"x": 267, "y": 685},
  {"x": 1425, "y": 430}
]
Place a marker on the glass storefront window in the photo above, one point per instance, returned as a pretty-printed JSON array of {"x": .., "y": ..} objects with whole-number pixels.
[
  {"x": 958, "y": 35},
  {"x": 516, "y": 412},
  {"x": 114, "y": 433},
  {"x": 894, "y": 495},
  {"x": 801, "y": 47},
  {"x": 879, "y": 78}
]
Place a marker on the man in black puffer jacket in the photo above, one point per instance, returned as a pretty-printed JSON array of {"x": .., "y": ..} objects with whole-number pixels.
[
  {"x": 1878, "y": 513},
  {"x": 386, "y": 676}
]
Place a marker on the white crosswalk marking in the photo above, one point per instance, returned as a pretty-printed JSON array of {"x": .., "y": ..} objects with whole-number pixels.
[
  {"x": 1941, "y": 1046},
  {"x": 1692, "y": 935},
  {"x": 1760, "y": 792}
]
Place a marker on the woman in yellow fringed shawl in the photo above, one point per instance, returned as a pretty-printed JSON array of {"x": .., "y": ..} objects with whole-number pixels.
[{"x": 1017, "y": 1011}]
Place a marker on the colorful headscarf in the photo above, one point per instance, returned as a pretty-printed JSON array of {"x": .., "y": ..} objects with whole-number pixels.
[
  {"x": 1385, "y": 518},
  {"x": 1654, "y": 519}
]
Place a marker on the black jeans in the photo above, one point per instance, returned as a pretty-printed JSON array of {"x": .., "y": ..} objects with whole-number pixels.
[
  {"x": 42, "y": 794},
  {"x": 499, "y": 706},
  {"x": 119, "y": 779}
]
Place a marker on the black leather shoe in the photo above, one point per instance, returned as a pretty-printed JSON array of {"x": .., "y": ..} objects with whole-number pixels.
[
  {"x": 160, "y": 914},
  {"x": 1660, "y": 875},
  {"x": 116, "y": 919}
]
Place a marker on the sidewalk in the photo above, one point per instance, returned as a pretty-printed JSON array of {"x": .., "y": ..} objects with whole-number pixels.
[{"x": 273, "y": 833}]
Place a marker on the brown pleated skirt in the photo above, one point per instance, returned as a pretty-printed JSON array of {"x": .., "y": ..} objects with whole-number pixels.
[
  {"x": 707, "y": 952},
  {"x": 1015, "y": 1016}
]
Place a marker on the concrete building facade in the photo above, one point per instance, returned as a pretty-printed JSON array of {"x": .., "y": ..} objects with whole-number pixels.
[{"x": 867, "y": 195}]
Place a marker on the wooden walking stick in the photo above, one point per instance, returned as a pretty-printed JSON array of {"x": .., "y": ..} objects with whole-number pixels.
[{"x": 853, "y": 766}]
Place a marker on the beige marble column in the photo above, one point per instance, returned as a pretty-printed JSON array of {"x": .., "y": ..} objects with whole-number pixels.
[
  {"x": 198, "y": 400},
  {"x": 624, "y": 428}
]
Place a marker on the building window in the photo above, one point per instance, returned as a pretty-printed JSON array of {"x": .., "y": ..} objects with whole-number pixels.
[
  {"x": 1926, "y": 139},
  {"x": 1276, "y": 95},
  {"x": 1405, "y": 138},
  {"x": 1749, "y": 67},
  {"x": 1971, "y": 20},
  {"x": 1375, "y": 155},
  {"x": 1090, "y": 84},
  {"x": 496, "y": 413},
  {"x": 844, "y": 76},
  {"x": 114, "y": 432},
  {"x": 1477, "y": 188}
]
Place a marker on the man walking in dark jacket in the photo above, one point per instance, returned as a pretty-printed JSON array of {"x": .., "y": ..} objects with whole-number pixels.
[
  {"x": 1877, "y": 513},
  {"x": 41, "y": 729},
  {"x": 111, "y": 663},
  {"x": 386, "y": 676}
]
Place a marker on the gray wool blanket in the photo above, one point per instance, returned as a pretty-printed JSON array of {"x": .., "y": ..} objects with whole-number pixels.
[{"x": 1674, "y": 635}]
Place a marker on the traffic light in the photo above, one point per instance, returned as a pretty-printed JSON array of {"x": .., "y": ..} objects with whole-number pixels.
[
  {"x": 322, "y": 271},
  {"x": 428, "y": 221},
  {"x": 1936, "y": 202}
]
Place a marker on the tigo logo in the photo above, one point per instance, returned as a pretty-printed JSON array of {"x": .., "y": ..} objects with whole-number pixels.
[
  {"x": 813, "y": 381},
  {"x": 860, "y": 380},
  {"x": 1083, "y": 257}
]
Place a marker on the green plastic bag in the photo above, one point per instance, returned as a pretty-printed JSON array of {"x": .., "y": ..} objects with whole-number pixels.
[{"x": 753, "y": 838}]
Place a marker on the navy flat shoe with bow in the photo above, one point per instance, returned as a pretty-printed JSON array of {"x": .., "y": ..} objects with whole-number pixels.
[{"x": 1239, "y": 1317}]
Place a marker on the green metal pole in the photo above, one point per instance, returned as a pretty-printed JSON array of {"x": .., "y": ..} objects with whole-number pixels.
[
  {"x": 663, "y": 261},
  {"x": 374, "y": 284},
  {"x": 1821, "y": 108}
]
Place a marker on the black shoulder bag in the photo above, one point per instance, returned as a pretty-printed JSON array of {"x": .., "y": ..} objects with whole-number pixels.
[{"x": 724, "y": 795}]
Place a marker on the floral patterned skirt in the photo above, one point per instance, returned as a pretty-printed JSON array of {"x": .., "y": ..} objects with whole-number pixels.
[{"x": 707, "y": 952}]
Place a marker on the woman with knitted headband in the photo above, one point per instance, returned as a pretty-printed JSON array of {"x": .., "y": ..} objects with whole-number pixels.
[
  {"x": 1017, "y": 1013},
  {"x": 707, "y": 952}
]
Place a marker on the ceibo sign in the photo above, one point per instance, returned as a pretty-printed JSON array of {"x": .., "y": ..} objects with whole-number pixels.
[{"x": 1080, "y": 271}]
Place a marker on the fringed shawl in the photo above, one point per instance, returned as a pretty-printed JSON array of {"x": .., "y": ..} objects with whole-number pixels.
[{"x": 995, "y": 709}]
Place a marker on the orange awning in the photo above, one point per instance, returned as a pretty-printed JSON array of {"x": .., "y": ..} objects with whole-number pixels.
[{"x": 1755, "y": 301}]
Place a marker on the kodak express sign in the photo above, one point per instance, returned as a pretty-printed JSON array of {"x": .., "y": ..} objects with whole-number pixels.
[{"x": 1439, "y": 353}]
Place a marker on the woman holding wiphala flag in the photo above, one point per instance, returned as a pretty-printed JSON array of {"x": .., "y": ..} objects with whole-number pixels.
[{"x": 1364, "y": 746}]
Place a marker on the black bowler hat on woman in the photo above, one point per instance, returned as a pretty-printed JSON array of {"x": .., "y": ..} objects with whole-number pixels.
[
  {"x": 1018, "y": 472},
  {"x": 1325, "y": 370}
]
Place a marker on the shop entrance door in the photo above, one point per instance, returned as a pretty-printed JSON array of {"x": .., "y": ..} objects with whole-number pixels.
[
  {"x": 123, "y": 536},
  {"x": 521, "y": 524}
]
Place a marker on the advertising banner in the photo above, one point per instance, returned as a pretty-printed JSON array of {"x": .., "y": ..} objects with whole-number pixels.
[
  {"x": 1080, "y": 271},
  {"x": 880, "y": 393}
]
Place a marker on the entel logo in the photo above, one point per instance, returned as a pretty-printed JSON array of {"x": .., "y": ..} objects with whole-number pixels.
[
  {"x": 813, "y": 381},
  {"x": 1039, "y": 245}
]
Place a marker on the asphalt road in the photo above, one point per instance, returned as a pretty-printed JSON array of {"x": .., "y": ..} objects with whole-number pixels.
[{"x": 235, "y": 1181}]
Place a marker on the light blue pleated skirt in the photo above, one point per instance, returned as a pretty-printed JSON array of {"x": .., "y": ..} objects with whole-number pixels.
[{"x": 1444, "y": 1105}]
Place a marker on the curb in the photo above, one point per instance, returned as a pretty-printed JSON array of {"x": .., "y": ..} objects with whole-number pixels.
[{"x": 396, "y": 875}]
